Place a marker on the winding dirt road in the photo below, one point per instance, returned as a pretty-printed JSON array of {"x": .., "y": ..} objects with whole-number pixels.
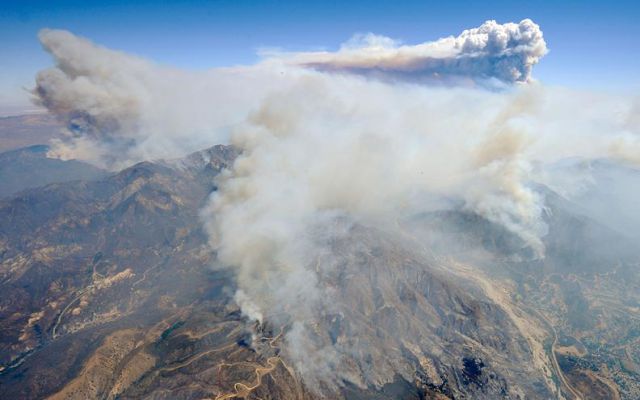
[
  {"x": 242, "y": 390},
  {"x": 576, "y": 395}
]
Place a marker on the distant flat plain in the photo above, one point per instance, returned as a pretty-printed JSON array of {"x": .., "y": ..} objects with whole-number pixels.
[{"x": 26, "y": 130}]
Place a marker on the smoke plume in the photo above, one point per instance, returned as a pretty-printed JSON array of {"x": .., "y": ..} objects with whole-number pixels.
[
  {"x": 506, "y": 52},
  {"x": 121, "y": 109},
  {"x": 324, "y": 152}
]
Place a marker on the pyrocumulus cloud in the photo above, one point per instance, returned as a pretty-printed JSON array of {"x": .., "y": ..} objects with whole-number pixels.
[{"x": 506, "y": 52}]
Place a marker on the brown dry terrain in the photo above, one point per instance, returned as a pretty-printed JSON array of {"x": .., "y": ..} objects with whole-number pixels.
[{"x": 110, "y": 290}]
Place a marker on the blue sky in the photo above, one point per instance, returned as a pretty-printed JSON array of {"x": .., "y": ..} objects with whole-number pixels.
[{"x": 594, "y": 44}]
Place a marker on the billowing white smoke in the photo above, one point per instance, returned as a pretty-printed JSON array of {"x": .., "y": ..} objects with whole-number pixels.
[
  {"x": 505, "y": 52},
  {"x": 121, "y": 109},
  {"x": 337, "y": 150},
  {"x": 321, "y": 151}
]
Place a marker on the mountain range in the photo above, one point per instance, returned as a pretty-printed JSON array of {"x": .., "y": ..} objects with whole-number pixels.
[{"x": 111, "y": 290}]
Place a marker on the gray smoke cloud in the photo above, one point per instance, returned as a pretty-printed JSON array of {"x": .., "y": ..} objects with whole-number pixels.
[
  {"x": 337, "y": 151},
  {"x": 121, "y": 109},
  {"x": 506, "y": 52},
  {"x": 323, "y": 152}
]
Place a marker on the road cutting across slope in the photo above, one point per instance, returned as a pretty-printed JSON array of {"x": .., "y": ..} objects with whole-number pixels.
[{"x": 241, "y": 389}]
